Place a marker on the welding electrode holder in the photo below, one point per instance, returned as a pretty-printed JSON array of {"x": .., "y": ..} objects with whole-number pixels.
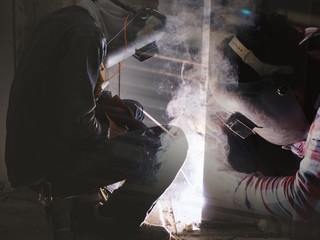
[
  {"x": 238, "y": 124},
  {"x": 138, "y": 38}
]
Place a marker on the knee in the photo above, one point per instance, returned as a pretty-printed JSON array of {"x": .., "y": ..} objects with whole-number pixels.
[{"x": 175, "y": 146}]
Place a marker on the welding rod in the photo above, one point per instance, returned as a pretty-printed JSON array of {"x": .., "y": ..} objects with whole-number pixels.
[{"x": 155, "y": 121}]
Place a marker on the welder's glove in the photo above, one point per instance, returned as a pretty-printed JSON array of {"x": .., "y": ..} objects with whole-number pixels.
[
  {"x": 120, "y": 113},
  {"x": 297, "y": 148},
  {"x": 116, "y": 110}
]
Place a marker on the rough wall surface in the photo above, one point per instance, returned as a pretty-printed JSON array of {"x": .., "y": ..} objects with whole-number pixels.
[{"x": 6, "y": 74}]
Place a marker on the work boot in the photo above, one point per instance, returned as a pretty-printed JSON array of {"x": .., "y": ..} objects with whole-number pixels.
[
  {"x": 154, "y": 232},
  {"x": 145, "y": 232}
]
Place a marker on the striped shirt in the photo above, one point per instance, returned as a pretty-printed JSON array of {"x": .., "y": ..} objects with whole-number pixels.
[{"x": 296, "y": 197}]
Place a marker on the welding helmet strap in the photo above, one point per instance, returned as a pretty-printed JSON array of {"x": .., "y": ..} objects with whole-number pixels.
[{"x": 248, "y": 57}]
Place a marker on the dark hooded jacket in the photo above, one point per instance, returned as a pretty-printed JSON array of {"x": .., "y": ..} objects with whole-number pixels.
[{"x": 51, "y": 114}]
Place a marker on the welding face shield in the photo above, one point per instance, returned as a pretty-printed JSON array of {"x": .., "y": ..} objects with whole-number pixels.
[
  {"x": 266, "y": 105},
  {"x": 134, "y": 28},
  {"x": 137, "y": 38},
  {"x": 131, "y": 28}
]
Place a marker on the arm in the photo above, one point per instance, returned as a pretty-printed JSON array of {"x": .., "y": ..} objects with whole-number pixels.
[{"x": 296, "y": 197}]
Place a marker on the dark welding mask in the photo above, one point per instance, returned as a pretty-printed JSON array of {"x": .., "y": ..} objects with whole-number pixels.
[
  {"x": 267, "y": 107},
  {"x": 138, "y": 38}
]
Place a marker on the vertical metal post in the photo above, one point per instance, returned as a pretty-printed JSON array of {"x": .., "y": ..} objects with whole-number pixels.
[{"x": 205, "y": 62}]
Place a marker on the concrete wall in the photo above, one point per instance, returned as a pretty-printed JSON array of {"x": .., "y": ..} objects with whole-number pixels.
[{"x": 6, "y": 75}]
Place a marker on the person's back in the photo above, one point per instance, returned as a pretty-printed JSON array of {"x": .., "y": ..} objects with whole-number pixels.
[{"x": 40, "y": 113}]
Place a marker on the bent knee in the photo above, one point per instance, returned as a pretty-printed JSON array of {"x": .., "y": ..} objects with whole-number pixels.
[{"x": 175, "y": 146}]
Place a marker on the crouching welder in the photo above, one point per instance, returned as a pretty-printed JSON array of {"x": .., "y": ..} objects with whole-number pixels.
[
  {"x": 63, "y": 130},
  {"x": 276, "y": 96}
]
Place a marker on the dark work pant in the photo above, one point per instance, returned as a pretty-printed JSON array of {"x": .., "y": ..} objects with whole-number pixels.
[{"x": 148, "y": 159}]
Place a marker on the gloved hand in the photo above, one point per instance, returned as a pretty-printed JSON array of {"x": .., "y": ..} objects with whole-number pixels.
[
  {"x": 297, "y": 148},
  {"x": 116, "y": 110}
]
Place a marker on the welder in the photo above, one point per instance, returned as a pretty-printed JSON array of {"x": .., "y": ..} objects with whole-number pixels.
[
  {"x": 272, "y": 101},
  {"x": 58, "y": 132}
]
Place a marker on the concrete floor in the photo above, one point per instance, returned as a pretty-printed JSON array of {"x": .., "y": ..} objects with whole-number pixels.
[{"x": 22, "y": 217}]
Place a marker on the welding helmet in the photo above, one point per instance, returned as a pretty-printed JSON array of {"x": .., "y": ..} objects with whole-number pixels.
[
  {"x": 131, "y": 28},
  {"x": 267, "y": 71},
  {"x": 137, "y": 35}
]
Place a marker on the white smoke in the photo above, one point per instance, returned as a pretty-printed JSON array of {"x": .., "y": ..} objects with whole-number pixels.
[{"x": 193, "y": 107}]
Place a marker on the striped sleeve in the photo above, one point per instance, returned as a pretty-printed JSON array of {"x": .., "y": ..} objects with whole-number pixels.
[{"x": 295, "y": 197}]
